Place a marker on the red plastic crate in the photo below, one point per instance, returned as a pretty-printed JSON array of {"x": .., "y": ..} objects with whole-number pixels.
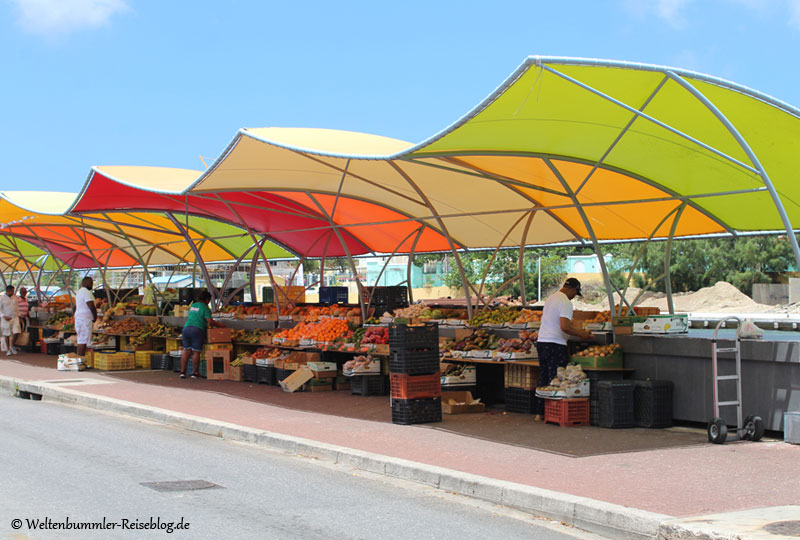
[
  {"x": 567, "y": 412},
  {"x": 416, "y": 386}
]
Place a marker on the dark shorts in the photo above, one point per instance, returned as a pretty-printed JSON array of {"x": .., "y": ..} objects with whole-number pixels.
[
  {"x": 193, "y": 338},
  {"x": 551, "y": 357}
]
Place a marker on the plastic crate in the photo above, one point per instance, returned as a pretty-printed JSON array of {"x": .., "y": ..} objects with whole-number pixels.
[
  {"x": 269, "y": 375},
  {"x": 142, "y": 358},
  {"x": 615, "y": 404},
  {"x": 334, "y": 295},
  {"x": 567, "y": 412},
  {"x": 520, "y": 401},
  {"x": 652, "y": 403},
  {"x": 53, "y": 348},
  {"x": 173, "y": 344},
  {"x": 113, "y": 361},
  {"x": 280, "y": 374},
  {"x": 521, "y": 376},
  {"x": 408, "y": 338},
  {"x": 250, "y": 373},
  {"x": 415, "y": 387},
  {"x": 67, "y": 348},
  {"x": 162, "y": 361},
  {"x": 471, "y": 388},
  {"x": 388, "y": 298},
  {"x": 416, "y": 411},
  {"x": 201, "y": 370},
  {"x": 414, "y": 363},
  {"x": 368, "y": 385}
]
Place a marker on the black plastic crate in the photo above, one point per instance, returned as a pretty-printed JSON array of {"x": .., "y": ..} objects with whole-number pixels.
[
  {"x": 389, "y": 297},
  {"x": 408, "y": 338},
  {"x": 161, "y": 361},
  {"x": 269, "y": 375},
  {"x": 519, "y": 400},
  {"x": 414, "y": 363},
  {"x": 594, "y": 408},
  {"x": 368, "y": 385},
  {"x": 416, "y": 411},
  {"x": 615, "y": 404},
  {"x": 66, "y": 348},
  {"x": 333, "y": 295},
  {"x": 471, "y": 388},
  {"x": 249, "y": 373},
  {"x": 280, "y": 374},
  {"x": 652, "y": 403},
  {"x": 53, "y": 348}
]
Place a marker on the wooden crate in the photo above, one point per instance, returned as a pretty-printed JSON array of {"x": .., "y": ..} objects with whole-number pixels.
[{"x": 521, "y": 376}]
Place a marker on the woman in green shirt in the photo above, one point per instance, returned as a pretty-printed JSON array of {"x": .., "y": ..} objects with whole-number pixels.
[{"x": 194, "y": 333}]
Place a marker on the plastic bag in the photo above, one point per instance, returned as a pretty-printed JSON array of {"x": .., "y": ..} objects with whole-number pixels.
[{"x": 749, "y": 330}]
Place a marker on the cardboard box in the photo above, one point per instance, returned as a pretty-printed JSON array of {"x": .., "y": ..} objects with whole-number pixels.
[
  {"x": 463, "y": 403},
  {"x": 468, "y": 377},
  {"x": 321, "y": 375},
  {"x": 611, "y": 361},
  {"x": 237, "y": 373},
  {"x": 219, "y": 335},
  {"x": 297, "y": 379},
  {"x": 321, "y": 388},
  {"x": 663, "y": 324},
  {"x": 303, "y": 357},
  {"x": 322, "y": 366},
  {"x": 579, "y": 391},
  {"x": 248, "y": 361},
  {"x": 218, "y": 364}
]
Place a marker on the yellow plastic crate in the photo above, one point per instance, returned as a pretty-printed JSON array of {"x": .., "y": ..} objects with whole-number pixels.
[
  {"x": 174, "y": 344},
  {"x": 114, "y": 361},
  {"x": 142, "y": 358}
]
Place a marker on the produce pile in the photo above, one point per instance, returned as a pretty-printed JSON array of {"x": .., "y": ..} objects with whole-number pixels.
[
  {"x": 325, "y": 330},
  {"x": 524, "y": 343},
  {"x": 455, "y": 370},
  {"x": 378, "y": 335},
  {"x": 566, "y": 378},
  {"x": 482, "y": 339},
  {"x": 123, "y": 326},
  {"x": 249, "y": 336},
  {"x": 61, "y": 318},
  {"x": 146, "y": 310},
  {"x": 495, "y": 316},
  {"x": 154, "y": 329},
  {"x": 599, "y": 350},
  {"x": 528, "y": 315},
  {"x": 358, "y": 362}
]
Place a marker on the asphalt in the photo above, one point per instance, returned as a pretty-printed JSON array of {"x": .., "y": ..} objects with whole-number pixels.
[{"x": 662, "y": 491}]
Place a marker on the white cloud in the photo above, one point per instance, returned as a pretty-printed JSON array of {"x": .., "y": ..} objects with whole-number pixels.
[
  {"x": 49, "y": 17},
  {"x": 794, "y": 13},
  {"x": 671, "y": 11}
]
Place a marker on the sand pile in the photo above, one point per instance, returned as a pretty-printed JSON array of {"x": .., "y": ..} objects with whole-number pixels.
[{"x": 722, "y": 297}]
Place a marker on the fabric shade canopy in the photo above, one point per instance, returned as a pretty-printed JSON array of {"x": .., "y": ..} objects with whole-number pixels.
[{"x": 565, "y": 150}]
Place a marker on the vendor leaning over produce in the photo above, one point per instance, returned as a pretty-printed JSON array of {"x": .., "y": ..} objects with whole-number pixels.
[
  {"x": 85, "y": 315},
  {"x": 555, "y": 329},
  {"x": 194, "y": 332}
]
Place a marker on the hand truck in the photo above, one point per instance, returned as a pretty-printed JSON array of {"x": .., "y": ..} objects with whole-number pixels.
[{"x": 752, "y": 429}]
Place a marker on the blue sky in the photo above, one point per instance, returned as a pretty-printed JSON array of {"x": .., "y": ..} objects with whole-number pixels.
[{"x": 154, "y": 82}]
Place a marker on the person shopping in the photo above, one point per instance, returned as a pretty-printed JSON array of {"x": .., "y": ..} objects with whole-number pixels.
[
  {"x": 194, "y": 333},
  {"x": 555, "y": 329},
  {"x": 85, "y": 315},
  {"x": 9, "y": 320},
  {"x": 22, "y": 304}
]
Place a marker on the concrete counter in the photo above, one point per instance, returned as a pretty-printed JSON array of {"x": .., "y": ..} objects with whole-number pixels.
[{"x": 770, "y": 375}]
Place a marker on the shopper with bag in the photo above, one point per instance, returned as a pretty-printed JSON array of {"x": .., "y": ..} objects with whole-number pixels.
[
  {"x": 22, "y": 304},
  {"x": 9, "y": 320}
]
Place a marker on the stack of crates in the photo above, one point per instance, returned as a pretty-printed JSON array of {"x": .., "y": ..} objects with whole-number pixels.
[
  {"x": 414, "y": 373},
  {"x": 652, "y": 403},
  {"x": 388, "y": 298},
  {"x": 615, "y": 404},
  {"x": 520, "y": 388},
  {"x": 142, "y": 358}
]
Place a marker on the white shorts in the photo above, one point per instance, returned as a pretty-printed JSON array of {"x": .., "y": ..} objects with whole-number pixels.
[
  {"x": 83, "y": 327},
  {"x": 9, "y": 328}
]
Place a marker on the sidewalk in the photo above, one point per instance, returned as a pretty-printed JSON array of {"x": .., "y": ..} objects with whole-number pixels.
[{"x": 677, "y": 492}]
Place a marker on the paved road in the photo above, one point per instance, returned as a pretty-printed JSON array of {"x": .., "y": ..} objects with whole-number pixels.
[{"x": 60, "y": 461}]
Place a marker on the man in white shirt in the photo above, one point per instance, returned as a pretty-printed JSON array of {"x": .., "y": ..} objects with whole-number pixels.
[
  {"x": 85, "y": 314},
  {"x": 9, "y": 320},
  {"x": 555, "y": 329}
]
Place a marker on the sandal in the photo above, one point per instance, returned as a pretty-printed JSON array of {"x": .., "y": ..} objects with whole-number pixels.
[{"x": 183, "y": 375}]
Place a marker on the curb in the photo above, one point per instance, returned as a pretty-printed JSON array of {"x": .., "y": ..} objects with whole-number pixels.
[{"x": 598, "y": 517}]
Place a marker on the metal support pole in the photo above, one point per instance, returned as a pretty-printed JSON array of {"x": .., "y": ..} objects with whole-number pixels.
[
  {"x": 750, "y": 154},
  {"x": 667, "y": 256},
  {"x": 444, "y": 231},
  {"x": 410, "y": 263},
  {"x": 198, "y": 259},
  {"x": 522, "y": 292},
  {"x": 589, "y": 229}
]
